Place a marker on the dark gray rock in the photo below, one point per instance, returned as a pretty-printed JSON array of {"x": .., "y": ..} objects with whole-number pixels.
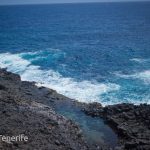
[
  {"x": 25, "y": 109},
  {"x": 131, "y": 123},
  {"x": 28, "y": 109}
]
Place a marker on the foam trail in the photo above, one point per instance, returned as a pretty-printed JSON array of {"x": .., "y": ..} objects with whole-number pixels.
[
  {"x": 140, "y": 60},
  {"x": 144, "y": 76},
  {"x": 84, "y": 91}
]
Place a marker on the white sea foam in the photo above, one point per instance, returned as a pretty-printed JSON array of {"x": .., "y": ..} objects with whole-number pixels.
[
  {"x": 140, "y": 60},
  {"x": 85, "y": 91},
  {"x": 114, "y": 100},
  {"x": 144, "y": 76},
  {"x": 13, "y": 62}
]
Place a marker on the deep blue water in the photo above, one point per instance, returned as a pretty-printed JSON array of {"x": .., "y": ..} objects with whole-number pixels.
[{"x": 89, "y": 52}]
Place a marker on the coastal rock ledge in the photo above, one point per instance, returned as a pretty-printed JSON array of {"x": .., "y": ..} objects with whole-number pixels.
[
  {"x": 29, "y": 110},
  {"x": 130, "y": 122},
  {"x": 22, "y": 114}
]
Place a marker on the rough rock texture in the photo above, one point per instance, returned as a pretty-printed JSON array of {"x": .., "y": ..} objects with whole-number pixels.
[
  {"x": 131, "y": 123},
  {"x": 22, "y": 112},
  {"x": 28, "y": 109}
]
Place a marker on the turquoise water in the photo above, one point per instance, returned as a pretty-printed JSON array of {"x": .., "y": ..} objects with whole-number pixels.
[{"x": 89, "y": 52}]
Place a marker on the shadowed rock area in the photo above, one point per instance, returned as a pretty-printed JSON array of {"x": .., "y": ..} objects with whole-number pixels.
[{"x": 131, "y": 123}]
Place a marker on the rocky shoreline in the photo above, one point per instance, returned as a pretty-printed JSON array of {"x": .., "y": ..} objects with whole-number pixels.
[
  {"x": 29, "y": 110},
  {"x": 130, "y": 122},
  {"x": 22, "y": 113}
]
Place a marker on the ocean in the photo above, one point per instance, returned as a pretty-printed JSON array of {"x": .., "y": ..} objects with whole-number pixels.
[{"x": 94, "y": 52}]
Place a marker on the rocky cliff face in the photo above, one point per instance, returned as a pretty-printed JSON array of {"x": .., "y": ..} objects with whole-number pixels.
[
  {"x": 27, "y": 109},
  {"x": 21, "y": 112}
]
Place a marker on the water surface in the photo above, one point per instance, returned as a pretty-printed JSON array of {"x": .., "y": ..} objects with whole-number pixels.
[{"x": 89, "y": 52}]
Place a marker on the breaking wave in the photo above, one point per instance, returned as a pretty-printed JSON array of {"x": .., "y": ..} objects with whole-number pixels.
[{"x": 85, "y": 91}]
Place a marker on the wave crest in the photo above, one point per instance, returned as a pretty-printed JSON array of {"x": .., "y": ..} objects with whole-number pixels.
[{"x": 85, "y": 91}]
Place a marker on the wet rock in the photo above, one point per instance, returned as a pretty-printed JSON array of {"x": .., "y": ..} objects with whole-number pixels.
[{"x": 130, "y": 122}]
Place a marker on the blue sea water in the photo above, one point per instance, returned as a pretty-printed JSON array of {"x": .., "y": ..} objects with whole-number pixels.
[{"x": 89, "y": 52}]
